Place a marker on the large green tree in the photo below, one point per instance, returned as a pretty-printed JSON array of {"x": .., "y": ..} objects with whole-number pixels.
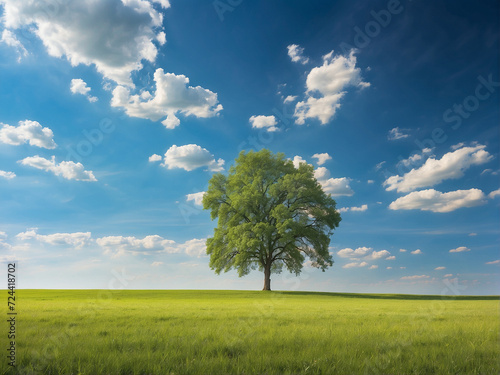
[{"x": 270, "y": 215}]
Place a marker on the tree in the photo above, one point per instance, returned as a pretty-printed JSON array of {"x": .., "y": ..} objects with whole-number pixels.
[{"x": 270, "y": 215}]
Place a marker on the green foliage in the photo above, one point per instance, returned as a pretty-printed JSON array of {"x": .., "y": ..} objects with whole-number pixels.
[
  {"x": 270, "y": 214},
  {"x": 93, "y": 332}
]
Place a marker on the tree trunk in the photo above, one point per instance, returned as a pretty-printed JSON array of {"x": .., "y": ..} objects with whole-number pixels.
[{"x": 267, "y": 277}]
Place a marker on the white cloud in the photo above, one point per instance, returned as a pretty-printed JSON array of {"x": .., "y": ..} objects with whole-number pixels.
[
  {"x": 173, "y": 95},
  {"x": 123, "y": 38},
  {"x": 451, "y": 166},
  {"x": 67, "y": 169},
  {"x": 350, "y": 253},
  {"x": 397, "y": 133},
  {"x": 296, "y": 54},
  {"x": 322, "y": 158},
  {"x": 190, "y": 157},
  {"x": 379, "y": 254},
  {"x": 439, "y": 268},
  {"x": 196, "y": 197},
  {"x": 415, "y": 277},
  {"x": 329, "y": 83},
  {"x": 27, "y": 132},
  {"x": 372, "y": 267},
  {"x": 76, "y": 240},
  {"x": 337, "y": 186},
  {"x": 119, "y": 245},
  {"x": 161, "y": 38},
  {"x": 392, "y": 257},
  {"x": 264, "y": 122},
  {"x": 494, "y": 194},
  {"x": 195, "y": 247},
  {"x": 156, "y": 264},
  {"x": 79, "y": 86},
  {"x": 402, "y": 250},
  {"x": 9, "y": 38},
  {"x": 388, "y": 268},
  {"x": 355, "y": 264},
  {"x": 155, "y": 157},
  {"x": 493, "y": 262},
  {"x": 416, "y": 158},
  {"x": 290, "y": 98},
  {"x": 363, "y": 207},
  {"x": 370, "y": 181},
  {"x": 7, "y": 175},
  {"x": 403, "y": 268},
  {"x": 415, "y": 252},
  {"x": 297, "y": 160},
  {"x": 460, "y": 249},
  {"x": 435, "y": 201},
  {"x": 472, "y": 234},
  {"x": 334, "y": 186},
  {"x": 448, "y": 275}
]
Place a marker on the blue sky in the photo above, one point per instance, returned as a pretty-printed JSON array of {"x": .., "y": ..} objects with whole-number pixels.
[{"x": 115, "y": 114}]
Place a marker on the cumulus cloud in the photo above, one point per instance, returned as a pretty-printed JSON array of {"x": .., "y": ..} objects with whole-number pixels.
[
  {"x": 197, "y": 198},
  {"x": 297, "y": 160},
  {"x": 435, "y": 201},
  {"x": 494, "y": 194},
  {"x": 155, "y": 157},
  {"x": 66, "y": 169},
  {"x": 355, "y": 264},
  {"x": 337, "y": 186},
  {"x": 124, "y": 37},
  {"x": 392, "y": 257},
  {"x": 416, "y": 252},
  {"x": 415, "y": 277},
  {"x": 361, "y": 208},
  {"x": 173, "y": 95},
  {"x": 448, "y": 275},
  {"x": 397, "y": 133},
  {"x": 334, "y": 186},
  {"x": 10, "y": 39},
  {"x": 326, "y": 86},
  {"x": 440, "y": 268},
  {"x": 379, "y": 254},
  {"x": 7, "y": 175},
  {"x": 264, "y": 122},
  {"x": 460, "y": 249},
  {"x": 79, "y": 86},
  {"x": 350, "y": 253},
  {"x": 493, "y": 262},
  {"x": 415, "y": 159},
  {"x": 116, "y": 246},
  {"x": 372, "y": 267},
  {"x": 451, "y": 166},
  {"x": 27, "y": 132},
  {"x": 190, "y": 157},
  {"x": 76, "y": 240},
  {"x": 322, "y": 158},
  {"x": 296, "y": 53},
  {"x": 290, "y": 98},
  {"x": 402, "y": 250}
]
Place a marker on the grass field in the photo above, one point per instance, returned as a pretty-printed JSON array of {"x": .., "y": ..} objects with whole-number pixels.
[{"x": 243, "y": 332}]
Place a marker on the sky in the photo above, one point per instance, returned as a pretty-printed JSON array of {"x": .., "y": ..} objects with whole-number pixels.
[{"x": 115, "y": 114}]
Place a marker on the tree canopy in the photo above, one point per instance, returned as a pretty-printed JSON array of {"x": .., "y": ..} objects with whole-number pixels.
[{"x": 271, "y": 215}]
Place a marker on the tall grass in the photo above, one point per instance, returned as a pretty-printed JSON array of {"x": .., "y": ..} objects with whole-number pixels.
[{"x": 241, "y": 332}]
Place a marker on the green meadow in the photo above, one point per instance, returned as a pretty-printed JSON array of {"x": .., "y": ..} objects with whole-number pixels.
[{"x": 244, "y": 332}]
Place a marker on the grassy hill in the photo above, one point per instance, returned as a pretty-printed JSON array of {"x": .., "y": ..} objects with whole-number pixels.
[{"x": 244, "y": 332}]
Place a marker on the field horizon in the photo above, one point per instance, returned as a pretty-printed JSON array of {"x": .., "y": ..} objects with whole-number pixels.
[{"x": 313, "y": 292}]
